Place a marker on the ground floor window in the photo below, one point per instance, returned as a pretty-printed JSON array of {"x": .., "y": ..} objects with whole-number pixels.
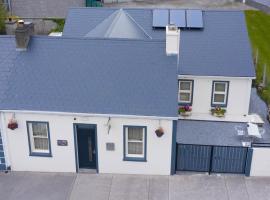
[
  {"x": 135, "y": 143},
  {"x": 39, "y": 138}
]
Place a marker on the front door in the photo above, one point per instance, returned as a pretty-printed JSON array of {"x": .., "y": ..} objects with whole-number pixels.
[{"x": 86, "y": 145}]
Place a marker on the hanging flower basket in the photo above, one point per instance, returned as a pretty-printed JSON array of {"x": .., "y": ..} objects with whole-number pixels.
[
  {"x": 159, "y": 132},
  {"x": 185, "y": 111},
  {"x": 218, "y": 111},
  {"x": 13, "y": 124}
]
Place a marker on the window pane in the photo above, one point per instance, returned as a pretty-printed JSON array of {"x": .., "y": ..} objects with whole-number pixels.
[
  {"x": 184, "y": 96},
  {"x": 220, "y": 98},
  {"x": 39, "y": 129},
  {"x": 135, "y": 133},
  {"x": 135, "y": 148},
  {"x": 41, "y": 143},
  {"x": 185, "y": 85},
  {"x": 220, "y": 87}
]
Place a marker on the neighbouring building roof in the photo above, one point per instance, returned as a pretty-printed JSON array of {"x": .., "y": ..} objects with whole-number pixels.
[
  {"x": 118, "y": 25},
  {"x": 221, "y": 48},
  {"x": 103, "y": 76}
]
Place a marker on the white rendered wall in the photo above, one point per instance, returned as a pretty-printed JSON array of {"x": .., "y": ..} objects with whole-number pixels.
[
  {"x": 63, "y": 160},
  {"x": 260, "y": 165},
  {"x": 238, "y": 96}
]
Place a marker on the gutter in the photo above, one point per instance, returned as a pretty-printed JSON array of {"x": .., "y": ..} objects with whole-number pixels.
[{"x": 89, "y": 114}]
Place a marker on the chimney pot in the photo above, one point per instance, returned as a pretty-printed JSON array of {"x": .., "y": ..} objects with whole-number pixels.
[{"x": 23, "y": 33}]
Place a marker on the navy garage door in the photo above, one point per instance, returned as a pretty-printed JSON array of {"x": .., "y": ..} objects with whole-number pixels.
[{"x": 219, "y": 159}]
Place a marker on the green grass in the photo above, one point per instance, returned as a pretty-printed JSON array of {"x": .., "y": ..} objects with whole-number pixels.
[
  {"x": 3, "y": 15},
  {"x": 258, "y": 24},
  {"x": 60, "y": 25}
]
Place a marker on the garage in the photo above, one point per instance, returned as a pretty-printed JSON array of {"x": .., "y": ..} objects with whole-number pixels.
[{"x": 209, "y": 146}]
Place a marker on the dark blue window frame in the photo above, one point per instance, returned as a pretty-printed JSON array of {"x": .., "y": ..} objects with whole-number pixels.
[
  {"x": 192, "y": 90},
  {"x": 38, "y": 154},
  {"x": 136, "y": 159},
  {"x": 227, "y": 94}
]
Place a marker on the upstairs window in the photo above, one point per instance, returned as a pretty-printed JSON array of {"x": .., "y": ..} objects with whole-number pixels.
[
  {"x": 39, "y": 138},
  {"x": 135, "y": 143},
  {"x": 220, "y": 93},
  {"x": 185, "y": 93}
]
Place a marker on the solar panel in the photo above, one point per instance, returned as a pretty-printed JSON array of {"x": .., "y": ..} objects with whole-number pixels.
[
  {"x": 178, "y": 18},
  {"x": 160, "y": 18},
  {"x": 194, "y": 18}
]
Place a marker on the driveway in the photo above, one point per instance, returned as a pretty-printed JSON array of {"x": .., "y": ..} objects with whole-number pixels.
[{"x": 186, "y": 186}]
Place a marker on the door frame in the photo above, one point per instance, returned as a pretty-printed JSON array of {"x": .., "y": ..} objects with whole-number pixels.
[{"x": 94, "y": 126}]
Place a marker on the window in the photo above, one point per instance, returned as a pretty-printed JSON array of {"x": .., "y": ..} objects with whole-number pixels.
[
  {"x": 220, "y": 93},
  {"x": 135, "y": 143},
  {"x": 185, "y": 93},
  {"x": 39, "y": 138}
]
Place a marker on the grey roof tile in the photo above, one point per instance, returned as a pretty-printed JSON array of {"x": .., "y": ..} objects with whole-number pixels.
[
  {"x": 126, "y": 77},
  {"x": 221, "y": 48}
]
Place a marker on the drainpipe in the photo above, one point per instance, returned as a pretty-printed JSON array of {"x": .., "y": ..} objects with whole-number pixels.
[{"x": 4, "y": 139}]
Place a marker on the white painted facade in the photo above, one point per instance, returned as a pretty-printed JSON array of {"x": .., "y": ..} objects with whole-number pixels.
[
  {"x": 260, "y": 165},
  {"x": 63, "y": 157},
  {"x": 238, "y": 98}
]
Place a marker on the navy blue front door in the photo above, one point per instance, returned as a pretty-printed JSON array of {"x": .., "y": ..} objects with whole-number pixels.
[{"x": 86, "y": 143}]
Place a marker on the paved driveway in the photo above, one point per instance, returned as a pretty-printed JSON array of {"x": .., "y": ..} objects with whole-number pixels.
[{"x": 56, "y": 186}]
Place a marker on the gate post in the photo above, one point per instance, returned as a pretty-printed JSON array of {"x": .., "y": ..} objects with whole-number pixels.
[
  {"x": 248, "y": 161},
  {"x": 173, "y": 153}
]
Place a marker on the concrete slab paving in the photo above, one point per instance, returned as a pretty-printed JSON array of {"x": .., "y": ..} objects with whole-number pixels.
[
  {"x": 25, "y": 186},
  {"x": 158, "y": 188},
  {"x": 258, "y": 188},
  {"x": 197, "y": 186},
  {"x": 129, "y": 187},
  {"x": 91, "y": 186},
  {"x": 236, "y": 187},
  {"x": 186, "y": 186}
]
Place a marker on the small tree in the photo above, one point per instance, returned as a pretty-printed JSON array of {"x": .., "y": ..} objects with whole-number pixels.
[{"x": 3, "y": 15}]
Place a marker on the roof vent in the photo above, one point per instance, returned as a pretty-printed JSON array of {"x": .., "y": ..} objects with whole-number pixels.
[
  {"x": 22, "y": 34},
  {"x": 172, "y": 40}
]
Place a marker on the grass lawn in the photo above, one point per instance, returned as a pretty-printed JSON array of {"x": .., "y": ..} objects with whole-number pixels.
[{"x": 258, "y": 24}]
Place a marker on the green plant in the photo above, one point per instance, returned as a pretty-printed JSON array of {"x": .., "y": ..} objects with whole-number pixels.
[
  {"x": 3, "y": 15},
  {"x": 218, "y": 111},
  {"x": 60, "y": 23},
  {"x": 258, "y": 25},
  {"x": 184, "y": 109}
]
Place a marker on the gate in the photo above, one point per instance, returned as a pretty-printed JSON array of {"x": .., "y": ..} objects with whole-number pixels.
[
  {"x": 193, "y": 157},
  {"x": 218, "y": 159},
  {"x": 229, "y": 159}
]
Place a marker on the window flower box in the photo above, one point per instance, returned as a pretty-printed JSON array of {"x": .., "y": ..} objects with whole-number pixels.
[
  {"x": 185, "y": 111},
  {"x": 218, "y": 111}
]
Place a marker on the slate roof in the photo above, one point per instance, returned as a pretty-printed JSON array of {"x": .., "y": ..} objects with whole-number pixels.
[
  {"x": 103, "y": 76},
  {"x": 221, "y": 48},
  {"x": 118, "y": 25},
  {"x": 208, "y": 133}
]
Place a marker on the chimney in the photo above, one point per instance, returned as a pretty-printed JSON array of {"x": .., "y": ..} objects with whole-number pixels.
[
  {"x": 22, "y": 34},
  {"x": 172, "y": 40}
]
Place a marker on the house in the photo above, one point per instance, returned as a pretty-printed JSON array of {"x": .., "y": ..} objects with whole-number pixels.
[{"x": 105, "y": 95}]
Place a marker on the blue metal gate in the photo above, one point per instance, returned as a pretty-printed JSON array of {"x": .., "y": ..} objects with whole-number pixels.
[
  {"x": 193, "y": 157},
  {"x": 218, "y": 159},
  {"x": 229, "y": 159}
]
